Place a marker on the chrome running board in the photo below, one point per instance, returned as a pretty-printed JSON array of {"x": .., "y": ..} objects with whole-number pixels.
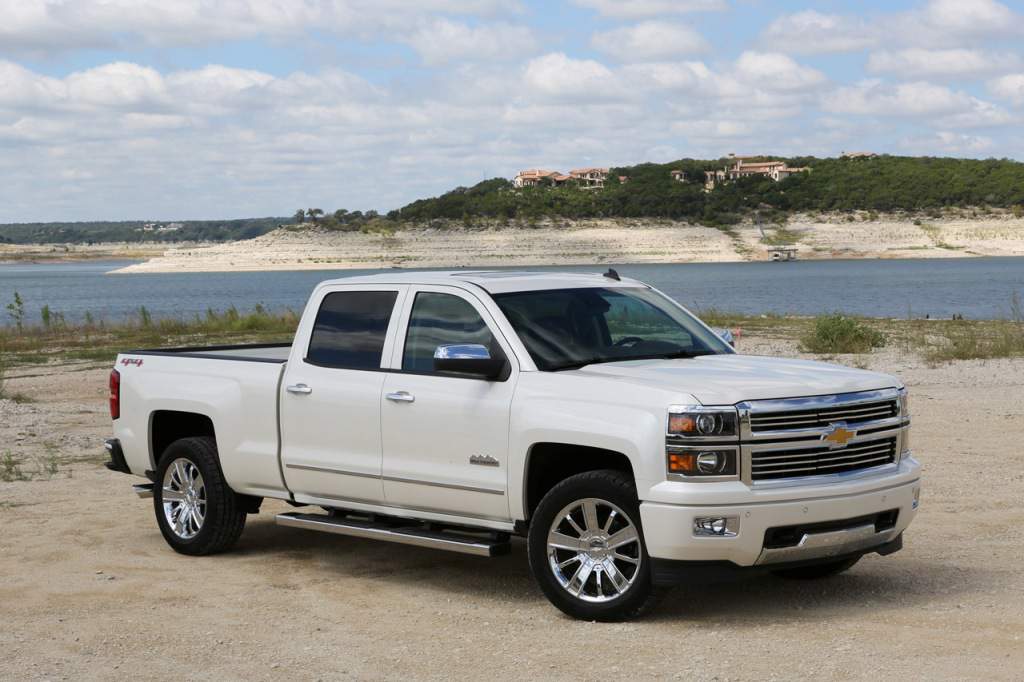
[{"x": 400, "y": 531}]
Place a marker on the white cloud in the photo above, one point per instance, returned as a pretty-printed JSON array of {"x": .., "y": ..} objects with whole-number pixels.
[
  {"x": 937, "y": 24},
  {"x": 678, "y": 76},
  {"x": 955, "y": 62},
  {"x": 48, "y": 26},
  {"x": 948, "y": 142},
  {"x": 776, "y": 72},
  {"x": 649, "y": 40},
  {"x": 1009, "y": 87},
  {"x": 556, "y": 75},
  {"x": 650, "y": 8},
  {"x": 970, "y": 17},
  {"x": 921, "y": 100},
  {"x": 441, "y": 40},
  {"x": 953, "y": 23},
  {"x": 811, "y": 32}
]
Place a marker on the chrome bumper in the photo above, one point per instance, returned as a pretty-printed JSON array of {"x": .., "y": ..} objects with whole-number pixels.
[{"x": 831, "y": 544}]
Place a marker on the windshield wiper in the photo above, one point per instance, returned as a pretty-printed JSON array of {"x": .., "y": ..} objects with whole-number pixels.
[
  {"x": 583, "y": 363},
  {"x": 683, "y": 354},
  {"x": 654, "y": 356}
]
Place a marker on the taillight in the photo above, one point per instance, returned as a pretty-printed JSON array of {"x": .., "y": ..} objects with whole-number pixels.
[{"x": 115, "y": 394}]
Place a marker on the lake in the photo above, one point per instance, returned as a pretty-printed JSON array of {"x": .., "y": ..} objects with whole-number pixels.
[{"x": 979, "y": 288}]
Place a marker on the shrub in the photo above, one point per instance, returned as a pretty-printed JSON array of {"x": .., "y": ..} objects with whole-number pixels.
[
  {"x": 838, "y": 333},
  {"x": 967, "y": 340}
]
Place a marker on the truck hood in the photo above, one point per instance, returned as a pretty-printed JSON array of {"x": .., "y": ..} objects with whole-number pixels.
[{"x": 729, "y": 379}]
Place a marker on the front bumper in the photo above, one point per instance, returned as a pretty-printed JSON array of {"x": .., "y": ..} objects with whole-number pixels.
[{"x": 669, "y": 528}]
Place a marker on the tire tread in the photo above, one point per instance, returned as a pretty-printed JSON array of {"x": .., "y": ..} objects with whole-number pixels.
[{"x": 225, "y": 520}]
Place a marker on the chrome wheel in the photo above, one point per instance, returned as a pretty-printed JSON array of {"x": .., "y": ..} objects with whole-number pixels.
[
  {"x": 594, "y": 550},
  {"x": 184, "y": 498}
]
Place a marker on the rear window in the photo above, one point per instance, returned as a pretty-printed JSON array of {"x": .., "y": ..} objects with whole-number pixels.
[{"x": 350, "y": 329}]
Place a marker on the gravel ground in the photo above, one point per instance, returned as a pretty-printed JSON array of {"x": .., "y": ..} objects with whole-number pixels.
[{"x": 88, "y": 589}]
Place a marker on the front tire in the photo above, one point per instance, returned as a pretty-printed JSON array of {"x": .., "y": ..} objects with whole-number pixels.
[
  {"x": 586, "y": 548},
  {"x": 197, "y": 512}
]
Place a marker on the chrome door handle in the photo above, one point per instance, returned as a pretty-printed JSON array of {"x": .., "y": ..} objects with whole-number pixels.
[
  {"x": 299, "y": 389},
  {"x": 401, "y": 397}
]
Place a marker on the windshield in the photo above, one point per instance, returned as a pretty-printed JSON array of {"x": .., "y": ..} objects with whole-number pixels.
[{"x": 570, "y": 328}]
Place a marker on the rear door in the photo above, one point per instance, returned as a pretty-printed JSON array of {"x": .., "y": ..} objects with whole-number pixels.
[
  {"x": 445, "y": 437},
  {"x": 330, "y": 398}
]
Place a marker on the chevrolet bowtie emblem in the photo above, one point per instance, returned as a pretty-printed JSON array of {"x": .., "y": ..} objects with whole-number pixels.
[{"x": 838, "y": 435}]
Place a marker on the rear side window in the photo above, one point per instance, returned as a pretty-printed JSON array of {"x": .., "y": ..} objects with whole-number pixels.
[
  {"x": 350, "y": 329},
  {"x": 439, "y": 319}
]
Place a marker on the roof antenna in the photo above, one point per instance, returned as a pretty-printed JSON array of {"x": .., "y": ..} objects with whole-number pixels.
[{"x": 611, "y": 274}]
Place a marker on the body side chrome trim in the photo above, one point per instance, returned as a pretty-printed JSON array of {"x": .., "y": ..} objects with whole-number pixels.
[
  {"x": 328, "y": 470},
  {"x": 452, "y": 486},
  {"x": 396, "y": 479}
]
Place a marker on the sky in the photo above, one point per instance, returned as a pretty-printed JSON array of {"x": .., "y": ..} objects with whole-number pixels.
[{"x": 186, "y": 109}]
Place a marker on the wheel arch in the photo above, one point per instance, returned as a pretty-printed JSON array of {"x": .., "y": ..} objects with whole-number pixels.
[
  {"x": 549, "y": 463},
  {"x": 167, "y": 426}
]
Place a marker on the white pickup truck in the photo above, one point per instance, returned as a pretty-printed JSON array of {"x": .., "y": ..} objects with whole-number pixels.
[{"x": 630, "y": 445}]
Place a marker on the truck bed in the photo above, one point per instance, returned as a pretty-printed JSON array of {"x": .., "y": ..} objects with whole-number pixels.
[{"x": 253, "y": 352}]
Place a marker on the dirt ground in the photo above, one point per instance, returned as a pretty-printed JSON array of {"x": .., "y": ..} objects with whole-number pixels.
[{"x": 89, "y": 590}]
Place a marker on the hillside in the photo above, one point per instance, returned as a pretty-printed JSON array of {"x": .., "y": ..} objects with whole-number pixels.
[
  {"x": 137, "y": 231},
  {"x": 882, "y": 184}
]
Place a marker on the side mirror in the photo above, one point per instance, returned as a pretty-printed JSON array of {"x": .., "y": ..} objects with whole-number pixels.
[{"x": 468, "y": 358}]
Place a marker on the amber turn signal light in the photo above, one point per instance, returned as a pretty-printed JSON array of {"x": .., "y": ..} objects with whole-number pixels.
[
  {"x": 682, "y": 463},
  {"x": 681, "y": 423}
]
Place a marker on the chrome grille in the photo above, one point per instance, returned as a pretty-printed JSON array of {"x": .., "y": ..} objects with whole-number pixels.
[
  {"x": 823, "y": 416},
  {"x": 771, "y": 464}
]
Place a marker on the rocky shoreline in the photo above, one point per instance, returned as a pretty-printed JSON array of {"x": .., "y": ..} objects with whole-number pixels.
[{"x": 597, "y": 241}]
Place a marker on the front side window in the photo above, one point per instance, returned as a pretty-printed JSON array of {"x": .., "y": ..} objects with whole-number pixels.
[
  {"x": 350, "y": 329},
  {"x": 569, "y": 328},
  {"x": 439, "y": 319}
]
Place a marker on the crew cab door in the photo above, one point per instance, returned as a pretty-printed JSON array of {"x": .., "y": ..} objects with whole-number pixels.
[
  {"x": 330, "y": 397},
  {"x": 445, "y": 436}
]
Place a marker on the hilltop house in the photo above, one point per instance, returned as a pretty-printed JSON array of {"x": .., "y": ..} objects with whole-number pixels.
[
  {"x": 742, "y": 167},
  {"x": 589, "y": 178},
  {"x": 585, "y": 178},
  {"x": 858, "y": 155},
  {"x": 535, "y": 177},
  {"x": 678, "y": 175}
]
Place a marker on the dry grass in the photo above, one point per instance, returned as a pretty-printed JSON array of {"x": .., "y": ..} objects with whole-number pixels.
[{"x": 101, "y": 341}]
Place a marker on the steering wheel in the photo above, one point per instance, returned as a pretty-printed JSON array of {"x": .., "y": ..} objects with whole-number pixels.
[{"x": 628, "y": 341}]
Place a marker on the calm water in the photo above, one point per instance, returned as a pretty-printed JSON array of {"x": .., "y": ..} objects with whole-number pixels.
[{"x": 974, "y": 287}]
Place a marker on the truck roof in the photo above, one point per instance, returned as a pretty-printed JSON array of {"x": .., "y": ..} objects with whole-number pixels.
[{"x": 494, "y": 281}]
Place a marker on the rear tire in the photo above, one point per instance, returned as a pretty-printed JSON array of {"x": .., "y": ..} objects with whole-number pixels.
[
  {"x": 586, "y": 548},
  {"x": 817, "y": 571},
  {"x": 198, "y": 513}
]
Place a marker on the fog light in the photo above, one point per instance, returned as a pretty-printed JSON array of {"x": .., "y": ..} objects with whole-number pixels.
[{"x": 716, "y": 526}]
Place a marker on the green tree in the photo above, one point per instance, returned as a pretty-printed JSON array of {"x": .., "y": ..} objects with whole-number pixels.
[
  {"x": 300, "y": 216},
  {"x": 314, "y": 213}
]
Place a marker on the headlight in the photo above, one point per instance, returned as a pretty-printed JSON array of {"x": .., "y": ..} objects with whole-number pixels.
[
  {"x": 702, "y": 422},
  {"x": 698, "y": 462},
  {"x": 904, "y": 402}
]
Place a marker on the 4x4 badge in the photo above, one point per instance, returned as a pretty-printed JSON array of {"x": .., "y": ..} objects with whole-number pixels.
[{"x": 838, "y": 435}]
